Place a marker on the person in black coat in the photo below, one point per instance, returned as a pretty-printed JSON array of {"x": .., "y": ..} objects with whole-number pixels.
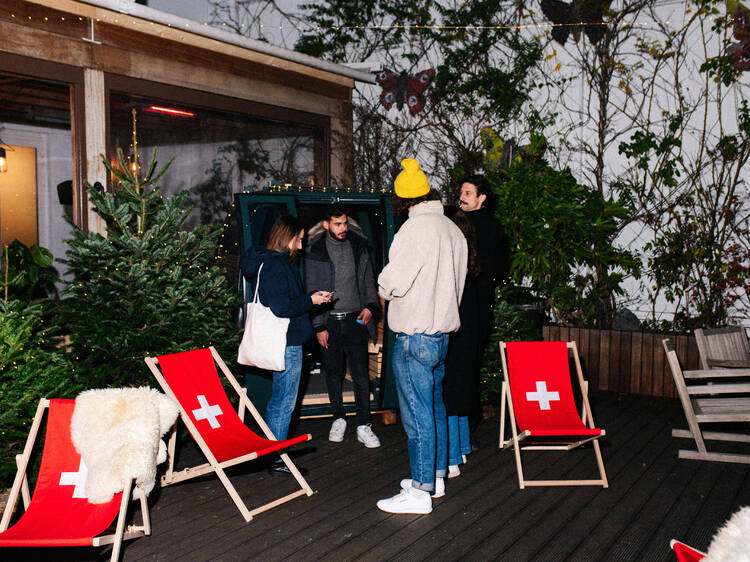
[
  {"x": 461, "y": 382},
  {"x": 493, "y": 251}
]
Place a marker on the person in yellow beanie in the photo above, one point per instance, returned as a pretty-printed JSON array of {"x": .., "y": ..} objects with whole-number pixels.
[{"x": 423, "y": 281}]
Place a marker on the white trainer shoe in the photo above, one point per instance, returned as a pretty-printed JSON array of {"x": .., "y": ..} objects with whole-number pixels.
[
  {"x": 408, "y": 500},
  {"x": 338, "y": 427},
  {"x": 453, "y": 471},
  {"x": 366, "y": 435},
  {"x": 439, "y": 486},
  {"x": 463, "y": 457}
]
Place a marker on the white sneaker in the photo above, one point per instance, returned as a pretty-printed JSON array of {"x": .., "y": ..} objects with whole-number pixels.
[
  {"x": 366, "y": 435},
  {"x": 408, "y": 500},
  {"x": 453, "y": 471},
  {"x": 439, "y": 486},
  {"x": 338, "y": 427},
  {"x": 463, "y": 457}
]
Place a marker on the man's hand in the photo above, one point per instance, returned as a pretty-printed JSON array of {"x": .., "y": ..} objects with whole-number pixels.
[
  {"x": 364, "y": 316},
  {"x": 323, "y": 338}
]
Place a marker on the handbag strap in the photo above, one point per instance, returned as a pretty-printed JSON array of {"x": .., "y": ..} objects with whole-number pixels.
[{"x": 257, "y": 284}]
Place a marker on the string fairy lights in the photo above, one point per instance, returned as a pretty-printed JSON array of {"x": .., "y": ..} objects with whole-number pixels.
[{"x": 308, "y": 28}]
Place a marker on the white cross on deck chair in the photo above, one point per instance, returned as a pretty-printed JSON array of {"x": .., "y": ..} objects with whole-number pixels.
[
  {"x": 206, "y": 412},
  {"x": 542, "y": 395},
  {"x": 77, "y": 479}
]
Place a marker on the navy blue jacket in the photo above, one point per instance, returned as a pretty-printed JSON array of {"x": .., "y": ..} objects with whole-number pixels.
[{"x": 280, "y": 290}]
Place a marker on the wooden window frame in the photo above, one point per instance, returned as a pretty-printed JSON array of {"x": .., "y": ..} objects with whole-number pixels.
[{"x": 72, "y": 77}]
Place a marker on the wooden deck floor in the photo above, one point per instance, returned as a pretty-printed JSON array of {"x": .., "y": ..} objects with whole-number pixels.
[{"x": 653, "y": 496}]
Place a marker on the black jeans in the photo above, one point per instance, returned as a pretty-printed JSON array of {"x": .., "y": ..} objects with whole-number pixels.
[{"x": 347, "y": 339}]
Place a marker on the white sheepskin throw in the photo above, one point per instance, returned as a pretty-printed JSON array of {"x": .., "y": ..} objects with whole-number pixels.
[
  {"x": 117, "y": 432},
  {"x": 731, "y": 541}
]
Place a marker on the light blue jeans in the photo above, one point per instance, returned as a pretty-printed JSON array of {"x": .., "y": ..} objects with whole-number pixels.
[
  {"x": 458, "y": 439},
  {"x": 419, "y": 368},
  {"x": 284, "y": 393}
]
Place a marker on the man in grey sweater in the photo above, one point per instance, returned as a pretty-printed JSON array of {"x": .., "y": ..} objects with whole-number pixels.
[{"x": 337, "y": 259}]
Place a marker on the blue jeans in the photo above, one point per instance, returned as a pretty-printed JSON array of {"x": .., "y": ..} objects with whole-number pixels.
[
  {"x": 418, "y": 366},
  {"x": 458, "y": 439},
  {"x": 284, "y": 393}
]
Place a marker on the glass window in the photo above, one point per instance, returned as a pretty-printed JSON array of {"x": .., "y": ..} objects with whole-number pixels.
[{"x": 217, "y": 153}]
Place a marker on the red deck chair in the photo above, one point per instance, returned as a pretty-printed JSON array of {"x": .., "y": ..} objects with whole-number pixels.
[
  {"x": 59, "y": 514},
  {"x": 686, "y": 553},
  {"x": 191, "y": 379},
  {"x": 541, "y": 406}
]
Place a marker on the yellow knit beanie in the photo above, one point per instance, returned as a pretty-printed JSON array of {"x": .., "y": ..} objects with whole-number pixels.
[{"x": 411, "y": 182}]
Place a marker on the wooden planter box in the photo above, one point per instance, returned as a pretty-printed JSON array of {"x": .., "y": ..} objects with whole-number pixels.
[{"x": 627, "y": 362}]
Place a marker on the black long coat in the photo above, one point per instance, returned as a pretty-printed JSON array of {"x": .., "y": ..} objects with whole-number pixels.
[{"x": 461, "y": 382}]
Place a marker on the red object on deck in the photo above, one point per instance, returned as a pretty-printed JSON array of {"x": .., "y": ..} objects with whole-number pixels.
[
  {"x": 193, "y": 378},
  {"x": 686, "y": 553},
  {"x": 59, "y": 513},
  {"x": 541, "y": 389}
]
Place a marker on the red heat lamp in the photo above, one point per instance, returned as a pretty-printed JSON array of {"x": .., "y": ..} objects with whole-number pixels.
[{"x": 171, "y": 111}]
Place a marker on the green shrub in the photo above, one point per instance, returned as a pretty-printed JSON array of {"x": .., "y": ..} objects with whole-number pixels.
[
  {"x": 31, "y": 367},
  {"x": 29, "y": 272},
  {"x": 563, "y": 235},
  {"x": 509, "y": 324}
]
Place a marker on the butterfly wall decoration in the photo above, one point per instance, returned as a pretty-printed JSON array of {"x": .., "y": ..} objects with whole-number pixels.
[
  {"x": 579, "y": 15},
  {"x": 404, "y": 89},
  {"x": 739, "y": 53}
]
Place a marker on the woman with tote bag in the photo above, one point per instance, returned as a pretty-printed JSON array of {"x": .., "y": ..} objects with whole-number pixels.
[{"x": 280, "y": 288}]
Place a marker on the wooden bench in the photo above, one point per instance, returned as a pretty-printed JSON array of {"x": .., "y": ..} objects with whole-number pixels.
[
  {"x": 723, "y": 347},
  {"x": 715, "y": 396}
]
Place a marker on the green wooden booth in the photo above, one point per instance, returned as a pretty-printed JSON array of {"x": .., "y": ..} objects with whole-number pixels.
[{"x": 371, "y": 212}]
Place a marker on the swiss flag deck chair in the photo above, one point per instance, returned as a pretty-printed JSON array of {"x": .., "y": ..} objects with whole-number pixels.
[
  {"x": 192, "y": 380},
  {"x": 59, "y": 514},
  {"x": 541, "y": 408}
]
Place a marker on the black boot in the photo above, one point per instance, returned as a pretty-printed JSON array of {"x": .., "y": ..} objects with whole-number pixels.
[{"x": 278, "y": 468}]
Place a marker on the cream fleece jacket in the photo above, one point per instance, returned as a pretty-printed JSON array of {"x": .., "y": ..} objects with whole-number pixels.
[{"x": 425, "y": 275}]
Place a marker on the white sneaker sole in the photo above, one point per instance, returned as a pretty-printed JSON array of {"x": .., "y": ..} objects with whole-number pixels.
[
  {"x": 368, "y": 445},
  {"x": 408, "y": 512},
  {"x": 336, "y": 439}
]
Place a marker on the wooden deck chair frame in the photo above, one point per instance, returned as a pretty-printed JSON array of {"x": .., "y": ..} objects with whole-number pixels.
[
  {"x": 711, "y": 408},
  {"x": 213, "y": 465},
  {"x": 20, "y": 488},
  {"x": 517, "y": 439},
  {"x": 723, "y": 347}
]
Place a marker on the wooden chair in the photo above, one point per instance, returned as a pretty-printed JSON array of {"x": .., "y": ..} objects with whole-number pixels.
[
  {"x": 191, "y": 379},
  {"x": 58, "y": 513},
  {"x": 685, "y": 553},
  {"x": 720, "y": 396},
  {"x": 723, "y": 347},
  {"x": 541, "y": 406}
]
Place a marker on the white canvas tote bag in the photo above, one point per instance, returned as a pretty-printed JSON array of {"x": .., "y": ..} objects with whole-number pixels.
[{"x": 264, "y": 341}]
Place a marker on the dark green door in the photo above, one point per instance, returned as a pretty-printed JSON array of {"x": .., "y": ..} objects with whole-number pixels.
[{"x": 371, "y": 212}]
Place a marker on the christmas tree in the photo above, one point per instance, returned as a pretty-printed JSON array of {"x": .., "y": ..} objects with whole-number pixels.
[{"x": 147, "y": 287}]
